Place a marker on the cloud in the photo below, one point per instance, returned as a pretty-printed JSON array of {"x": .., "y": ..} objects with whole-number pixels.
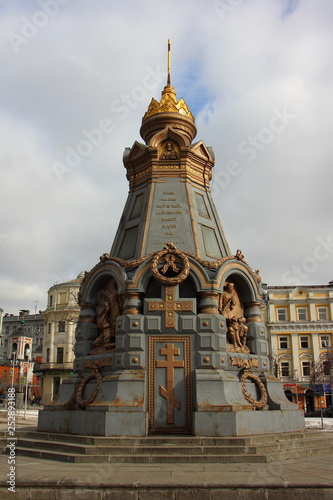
[{"x": 93, "y": 64}]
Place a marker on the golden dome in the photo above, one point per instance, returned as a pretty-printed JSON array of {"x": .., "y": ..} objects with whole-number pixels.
[{"x": 168, "y": 102}]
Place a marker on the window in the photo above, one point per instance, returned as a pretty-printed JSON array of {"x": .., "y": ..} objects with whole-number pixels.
[
  {"x": 62, "y": 325},
  {"x": 281, "y": 314},
  {"x": 60, "y": 354},
  {"x": 56, "y": 384},
  {"x": 285, "y": 369},
  {"x": 62, "y": 298},
  {"x": 27, "y": 352},
  {"x": 326, "y": 367},
  {"x": 283, "y": 342},
  {"x": 50, "y": 300},
  {"x": 47, "y": 355},
  {"x": 325, "y": 341},
  {"x": 304, "y": 342},
  {"x": 306, "y": 368},
  {"x": 49, "y": 328},
  {"x": 302, "y": 314},
  {"x": 322, "y": 312}
]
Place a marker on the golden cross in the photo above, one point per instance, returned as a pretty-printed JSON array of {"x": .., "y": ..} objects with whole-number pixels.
[
  {"x": 170, "y": 351},
  {"x": 170, "y": 306}
]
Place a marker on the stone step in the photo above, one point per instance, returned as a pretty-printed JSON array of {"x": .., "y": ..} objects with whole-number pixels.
[
  {"x": 163, "y": 458},
  {"x": 144, "y": 450},
  {"x": 139, "y": 459},
  {"x": 172, "y": 440},
  {"x": 172, "y": 449}
]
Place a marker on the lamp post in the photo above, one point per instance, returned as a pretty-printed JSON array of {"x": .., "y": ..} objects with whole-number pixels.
[
  {"x": 13, "y": 368},
  {"x": 296, "y": 386},
  {"x": 329, "y": 366}
]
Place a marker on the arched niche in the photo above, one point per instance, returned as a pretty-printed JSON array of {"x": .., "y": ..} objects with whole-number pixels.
[
  {"x": 153, "y": 289},
  {"x": 188, "y": 289},
  {"x": 168, "y": 134},
  {"x": 92, "y": 288},
  {"x": 243, "y": 285}
]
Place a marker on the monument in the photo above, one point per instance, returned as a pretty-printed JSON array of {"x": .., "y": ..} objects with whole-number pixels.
[{"x": 170, "y": 339}]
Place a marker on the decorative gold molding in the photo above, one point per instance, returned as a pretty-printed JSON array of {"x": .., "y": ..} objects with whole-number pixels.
[{"x": 244, "y": 363}]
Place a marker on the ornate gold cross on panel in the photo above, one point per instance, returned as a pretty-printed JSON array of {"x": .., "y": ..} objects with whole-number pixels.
[
  {"x": 170, "y": 351},
  {"x": 170, "y": 306}
]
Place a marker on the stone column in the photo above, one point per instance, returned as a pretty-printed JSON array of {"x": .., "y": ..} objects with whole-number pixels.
[
  {"x": 257, "y": 338},
  {"x": 86, "y": 330},
  {"x": 209, "y": 303},
  {"x": 132, "y": 303}
]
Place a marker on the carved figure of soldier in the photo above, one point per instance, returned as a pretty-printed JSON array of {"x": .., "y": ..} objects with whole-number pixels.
[
  {"x": 233, "y": 332},
  {"x": 242, "y": 330},
  {"x": 227, "y": 300},
  {"x": 108, "y": 308}
]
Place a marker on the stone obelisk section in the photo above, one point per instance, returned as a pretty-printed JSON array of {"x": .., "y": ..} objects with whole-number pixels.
[
  {"x": 170, "y": 338},
  {"x": 169, "y": 195}
]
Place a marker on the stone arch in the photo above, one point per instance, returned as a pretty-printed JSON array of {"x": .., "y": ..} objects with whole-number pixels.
[
  {"x": 97, "y": 280},
  {"x": 242, "y": 281}
]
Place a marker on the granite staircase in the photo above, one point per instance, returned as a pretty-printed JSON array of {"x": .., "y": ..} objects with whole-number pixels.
[{"x": 173, "y": 449}]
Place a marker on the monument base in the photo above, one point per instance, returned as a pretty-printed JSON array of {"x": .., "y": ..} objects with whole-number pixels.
[
  {"x": 93, "y": 422},
  {"x": 245, "y": 423},
  {"x": 134, "y": 423}
]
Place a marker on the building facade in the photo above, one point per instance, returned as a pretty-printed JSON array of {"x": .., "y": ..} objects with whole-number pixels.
[
  {"x": 21, "y": 346},
  {"x": 60, "y": 318},
  {"x": 34, "y": 328},
  {"x": 300, "y": 327}
]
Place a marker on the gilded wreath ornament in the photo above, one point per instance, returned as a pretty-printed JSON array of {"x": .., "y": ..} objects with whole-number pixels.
[
  {"x": 262, "y": 390},
  {"x": 94, "y": 374},
  {"x": 169, "y": 255}
]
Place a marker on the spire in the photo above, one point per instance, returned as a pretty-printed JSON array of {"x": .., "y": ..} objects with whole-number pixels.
[
  {"x": 169, "y": 63},
  {"x": 168, "y": 102}
]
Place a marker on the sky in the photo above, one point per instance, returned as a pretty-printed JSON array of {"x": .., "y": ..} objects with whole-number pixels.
[{"x": 76, "y": 79}]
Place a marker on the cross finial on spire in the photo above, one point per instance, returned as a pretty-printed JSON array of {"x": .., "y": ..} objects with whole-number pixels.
[{"x": 169, "y": 60}]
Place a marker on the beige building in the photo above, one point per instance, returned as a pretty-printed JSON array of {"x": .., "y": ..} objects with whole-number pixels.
[
  {"x": 60, "y": 318},
  {"x": 299, "y": 322}
]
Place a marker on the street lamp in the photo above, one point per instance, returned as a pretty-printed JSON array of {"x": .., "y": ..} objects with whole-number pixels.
[
  {"x": 329, "y": 366},
  {"x": 14, "y": 361}
]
